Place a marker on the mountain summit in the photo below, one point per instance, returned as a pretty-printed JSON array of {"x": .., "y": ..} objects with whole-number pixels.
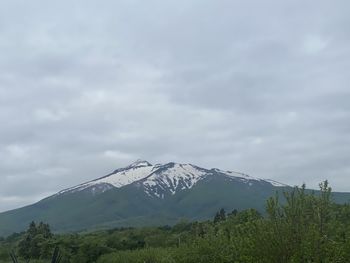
[{"x": 139, "y": 163}]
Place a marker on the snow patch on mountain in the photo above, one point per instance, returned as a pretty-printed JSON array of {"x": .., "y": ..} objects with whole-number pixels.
[
  {"x": 119, "y": 178},
  {"x": 275, "y": 183},
  {"x": 173, "y": 177},
  {"x": 126, "y": 177},
  {"x": 239, "y": 176}
]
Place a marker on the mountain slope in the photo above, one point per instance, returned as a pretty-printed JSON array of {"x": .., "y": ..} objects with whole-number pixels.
[{"x": 144, "y": 194}]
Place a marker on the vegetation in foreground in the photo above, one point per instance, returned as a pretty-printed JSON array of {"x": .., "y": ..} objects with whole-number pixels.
[{"x": 303, "y": 227}]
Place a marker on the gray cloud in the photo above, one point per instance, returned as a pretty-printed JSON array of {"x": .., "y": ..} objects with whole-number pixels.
[{"x": 87, "y": 87}]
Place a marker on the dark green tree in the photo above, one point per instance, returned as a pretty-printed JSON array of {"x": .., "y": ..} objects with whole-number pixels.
[
  {"x": 34, "y": 243},
  {"x": 220, "y": 216}
]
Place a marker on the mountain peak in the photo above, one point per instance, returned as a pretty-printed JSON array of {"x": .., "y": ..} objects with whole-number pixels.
[{"x": 139, "y": 163}]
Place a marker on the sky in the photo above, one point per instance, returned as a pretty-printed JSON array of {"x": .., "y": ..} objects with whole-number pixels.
[{"x": 86, "y": 87}]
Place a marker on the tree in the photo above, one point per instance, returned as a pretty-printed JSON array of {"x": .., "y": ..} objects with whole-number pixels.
[
  {"x": 56, "y": 257},
  {"x": 35, "y": 241},
  {"x": 233, "y": 213},
  {"x": 220, "y": 216}
]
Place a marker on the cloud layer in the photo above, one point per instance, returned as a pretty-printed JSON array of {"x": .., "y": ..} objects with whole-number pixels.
[{"x": 87, "y": 87}]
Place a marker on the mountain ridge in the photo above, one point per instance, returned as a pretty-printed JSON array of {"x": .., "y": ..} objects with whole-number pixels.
[{"x": 149, "y": 175}]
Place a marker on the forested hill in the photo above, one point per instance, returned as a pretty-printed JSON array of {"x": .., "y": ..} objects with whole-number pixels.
[{"x": 301, "y": 227}]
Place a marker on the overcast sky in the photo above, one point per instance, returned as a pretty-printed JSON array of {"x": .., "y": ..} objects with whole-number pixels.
[{"x": 86, "y": 87}]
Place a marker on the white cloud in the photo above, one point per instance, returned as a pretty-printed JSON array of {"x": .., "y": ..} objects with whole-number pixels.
[
  {"x": 49, "y": 115},
  {"x": 17, "y": 151},
  {"x": 314, "y": 44}
]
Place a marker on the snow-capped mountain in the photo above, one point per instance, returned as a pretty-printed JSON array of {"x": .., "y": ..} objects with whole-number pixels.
[
  {"x": 161, "y": 179},
  {"x": 143, "y": 194}
]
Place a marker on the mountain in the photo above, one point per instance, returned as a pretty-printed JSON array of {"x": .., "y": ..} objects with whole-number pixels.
[
  {"x": 159, "y": 180},
  {"x": 145, "y": 194}
]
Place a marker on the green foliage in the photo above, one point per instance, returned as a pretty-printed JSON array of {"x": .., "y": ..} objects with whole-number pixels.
[
  {"x": 299, "y": 226},
  {"x": 56, "y": 257},
  {"x": 35, "y": 242},
  {"x": 148, "y": 255}
]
